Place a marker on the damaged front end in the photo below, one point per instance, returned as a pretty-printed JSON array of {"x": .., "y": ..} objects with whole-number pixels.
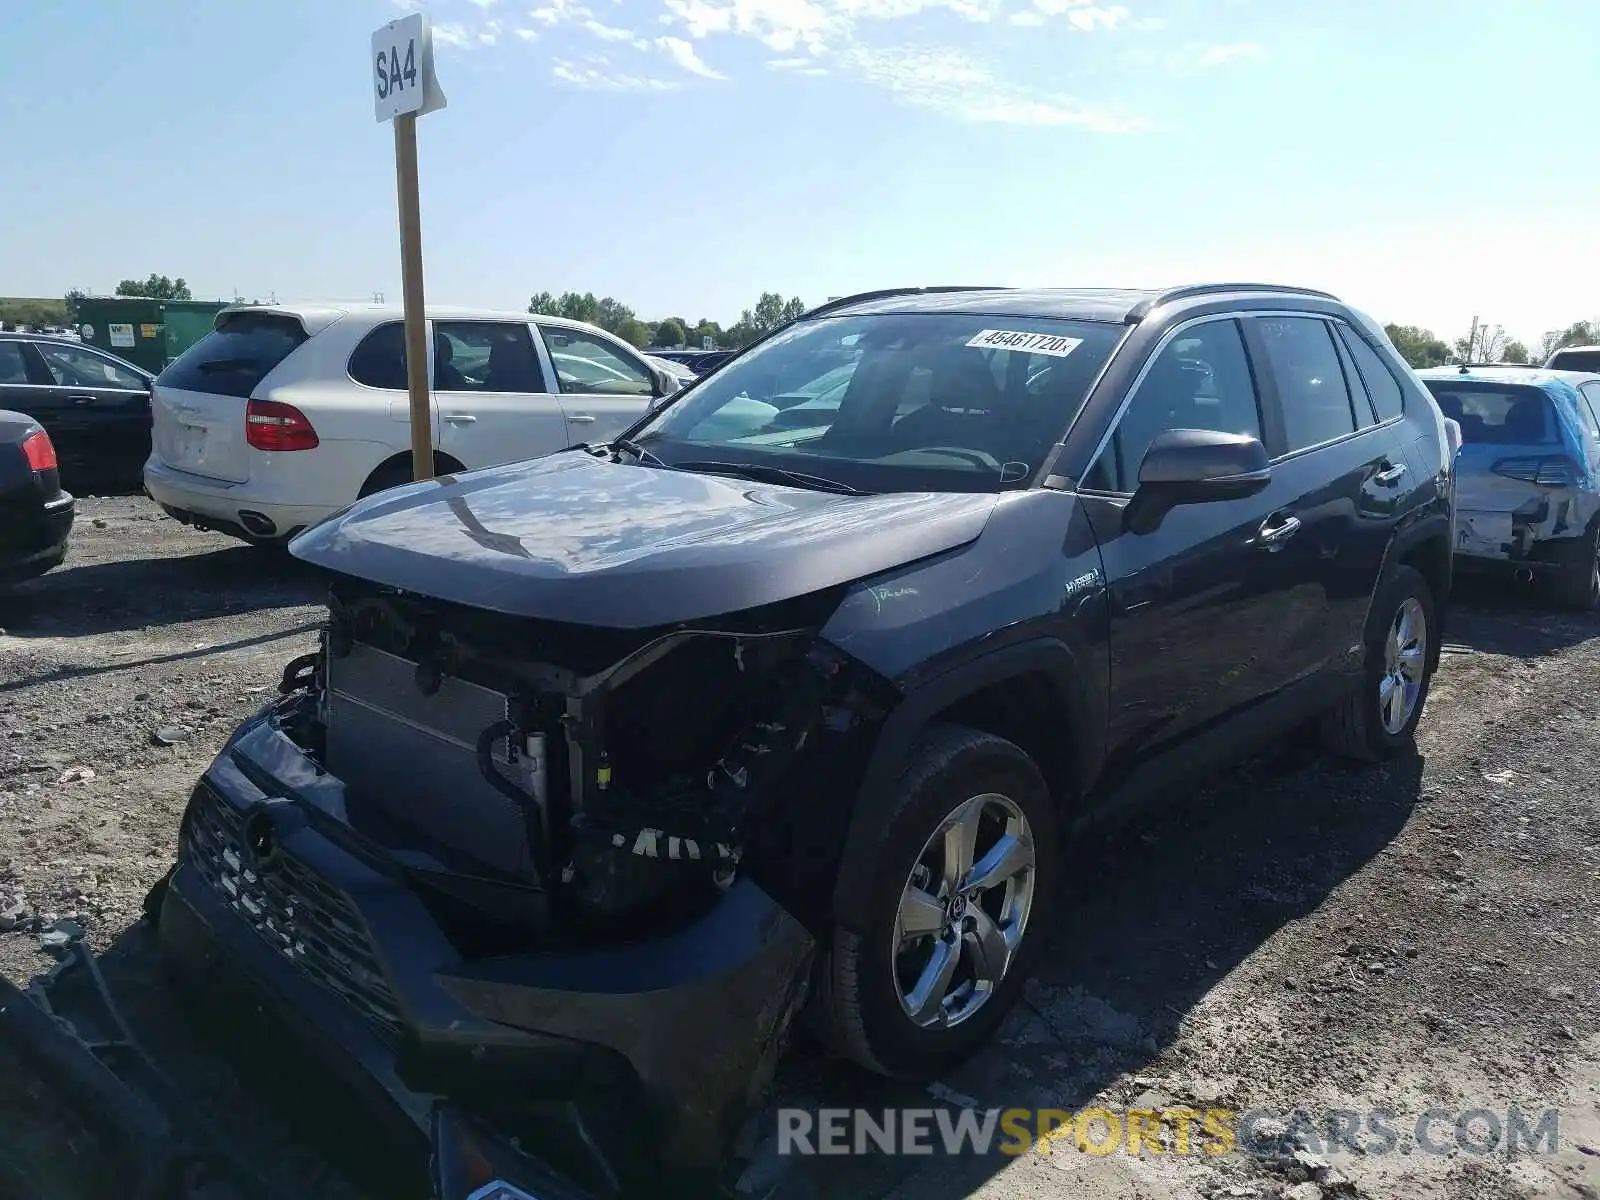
[{"x": 557, "y": 882}]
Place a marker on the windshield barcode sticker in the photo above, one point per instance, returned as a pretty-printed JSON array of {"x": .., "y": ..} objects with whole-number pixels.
[{"x": 1033, "y": 343}]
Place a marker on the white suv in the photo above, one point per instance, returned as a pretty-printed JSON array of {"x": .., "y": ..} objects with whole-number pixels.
[{"x": 285, "y": 414}]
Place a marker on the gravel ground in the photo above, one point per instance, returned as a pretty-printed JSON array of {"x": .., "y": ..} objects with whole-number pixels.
[{"x": 1295, "y": 934}]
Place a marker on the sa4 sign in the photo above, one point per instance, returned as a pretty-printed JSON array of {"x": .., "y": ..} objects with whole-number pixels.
[{"x": 402, "y": 69}]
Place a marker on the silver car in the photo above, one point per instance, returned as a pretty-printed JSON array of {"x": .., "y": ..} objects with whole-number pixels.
[{"x": 1527, "y": 473}]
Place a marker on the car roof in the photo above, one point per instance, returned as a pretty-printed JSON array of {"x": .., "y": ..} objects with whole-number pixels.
[
  {"x": 318, "y": 316},
  {"x": 1509, "y": 373},
  {"x": 13, "y": 336},
  {"x": 1120, "y": 305},
  {"x": 1565, "y": 349}
]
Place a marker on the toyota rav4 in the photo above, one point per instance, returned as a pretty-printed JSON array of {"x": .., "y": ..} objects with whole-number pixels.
[{"x": 612, "y": 763}]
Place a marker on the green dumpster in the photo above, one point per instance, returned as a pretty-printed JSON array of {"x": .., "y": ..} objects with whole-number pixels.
[{"x": 148, "y": 333}]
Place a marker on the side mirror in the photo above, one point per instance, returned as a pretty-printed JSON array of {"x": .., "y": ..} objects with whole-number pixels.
[
  {"x": 1195, "y": 466},
  {"x": 665, "y": 384}
]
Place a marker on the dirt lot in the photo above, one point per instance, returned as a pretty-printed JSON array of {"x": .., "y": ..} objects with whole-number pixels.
[{"x": 1296, "y": 934}]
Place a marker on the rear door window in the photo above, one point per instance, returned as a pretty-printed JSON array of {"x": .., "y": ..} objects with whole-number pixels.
[
  {"x": 1316, "y": 402},
  {"x": 1388, "y": 398},
  {"x": 236, "y": 356},
  {"x": 485, "y": 356},
  {"x": 1497, "y": 416}
]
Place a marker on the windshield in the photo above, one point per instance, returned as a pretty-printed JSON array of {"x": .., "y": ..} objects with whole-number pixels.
[{"x": 899, "y": 402}]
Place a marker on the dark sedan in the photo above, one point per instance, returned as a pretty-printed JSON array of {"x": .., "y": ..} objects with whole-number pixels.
[
  {"x": 35, "y": 514},
  {"x": 96, "y": 407}
]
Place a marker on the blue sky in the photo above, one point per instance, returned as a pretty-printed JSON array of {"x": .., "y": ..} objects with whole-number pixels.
[{"x": 1427, "y": 159}]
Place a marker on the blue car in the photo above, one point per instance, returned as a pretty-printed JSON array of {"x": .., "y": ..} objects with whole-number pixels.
[{"x": 1527, "y": 473}]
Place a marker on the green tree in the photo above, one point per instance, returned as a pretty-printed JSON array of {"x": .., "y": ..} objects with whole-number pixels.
[
  {"x": 157, "y": 287},
  {"x": 738, "y": 335},
  {"x": 1418, "y": 346},
  {"x": 795, "y": 309},
  {"x": 1580, "y": 333},
  {"x": 1484, "y": 344},
  {"x": 706, "y": 328},
  {"x": 669, "y": 333},
  {"x": 612, "y": 314},
  {"x": 768, "y": 313},
  {"x": 633, "y": 331},
  {"x": 1514, "y": 352},
  {"x": 544, "y": 304},
  {"x": 576, "y": 307}
]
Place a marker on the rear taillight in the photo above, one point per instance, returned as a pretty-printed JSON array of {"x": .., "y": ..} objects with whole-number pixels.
[
  {"x": 40, "y": 451},
  {"x": 1553, "y": 470},
  {"x": 269, "y": 425}
]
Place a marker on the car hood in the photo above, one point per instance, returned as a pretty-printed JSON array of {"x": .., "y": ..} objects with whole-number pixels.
[{"x": 573, "y": 537}]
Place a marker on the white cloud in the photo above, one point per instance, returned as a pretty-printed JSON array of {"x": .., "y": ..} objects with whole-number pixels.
[
  {"x": 596, "y": 74},
  {"x": 780, "y": 25},
  {"x": 945, "y": 81},
  {"x": 683, "y": 53},
  {"x": 1085, "y": 15},
  {"x": 796, "y": 66},
  {"x": 453, "y": 33},
  {"x": 557, "y": 12},
  {"x": 608, "y": 33},
  {"x": 1026, "y": 17},
  {"x": 1215, "y": 56},
  {"x": 528, "y": 35},
  {"x": 485, "y": 3}
]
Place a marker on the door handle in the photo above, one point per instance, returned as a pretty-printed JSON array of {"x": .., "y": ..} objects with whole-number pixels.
[
  {"x": 80, "y": 399},
  {"x": 1271, "y": 537},
  {"x": 1389, "y": 475},
  {"x": 580, "y": 418},
  {"x": 460, "y": 418}
]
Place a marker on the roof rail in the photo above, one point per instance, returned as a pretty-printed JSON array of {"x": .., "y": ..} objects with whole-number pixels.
[
  {"x": 839, "y": 302},
  {"x": 1143, "y": 309}
]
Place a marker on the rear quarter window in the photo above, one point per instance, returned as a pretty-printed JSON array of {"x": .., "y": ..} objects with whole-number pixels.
[
  {"x": 1388, "y": 399},
  {"x": 236, "y": 356}
]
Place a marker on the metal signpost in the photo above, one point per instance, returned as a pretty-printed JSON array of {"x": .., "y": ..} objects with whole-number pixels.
[{"x": 405, "y": 88}]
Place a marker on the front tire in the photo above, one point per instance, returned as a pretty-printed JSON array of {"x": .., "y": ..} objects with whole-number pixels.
[
  {"x": 966, "y": 868},
  {"x": 1378, "y": 720}
]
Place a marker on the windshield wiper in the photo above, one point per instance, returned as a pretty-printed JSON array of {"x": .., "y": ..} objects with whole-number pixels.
[
  {"x": 638, "y": 451},
  {"x": 768, "y": 474}
]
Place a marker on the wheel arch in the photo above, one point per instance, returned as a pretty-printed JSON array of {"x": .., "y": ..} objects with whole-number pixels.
[
  {"x": 1425, "y": 547},
  {"x": 443, "y": 464},
  {"x": 1030, "y": 693}
]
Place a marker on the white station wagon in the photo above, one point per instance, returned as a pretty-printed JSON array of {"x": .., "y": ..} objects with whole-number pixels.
[{"x": 285, "y": 414}]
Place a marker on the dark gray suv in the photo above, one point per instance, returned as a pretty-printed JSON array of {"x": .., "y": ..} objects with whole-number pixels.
[{"x": 614, "y": 761}]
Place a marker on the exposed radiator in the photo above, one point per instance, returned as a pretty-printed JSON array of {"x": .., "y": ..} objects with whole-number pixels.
[{"x": 414, "y": 758}]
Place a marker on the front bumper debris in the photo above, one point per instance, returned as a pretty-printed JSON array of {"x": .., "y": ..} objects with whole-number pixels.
[
  {"x": 66, "y": 1029},
  {"x": 618, "y": 1065}
]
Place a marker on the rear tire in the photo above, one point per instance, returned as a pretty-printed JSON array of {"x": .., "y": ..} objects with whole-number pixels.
[
  {"x": 1578, "y": 587},
  {"x": 877, "y": 1001},
  {"x": 1377, "y": 721}
]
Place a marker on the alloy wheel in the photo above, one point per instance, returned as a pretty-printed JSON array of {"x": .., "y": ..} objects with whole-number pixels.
[
  {"x": 1405, "y": 666},
  {"x": 963, "y": 912}
]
